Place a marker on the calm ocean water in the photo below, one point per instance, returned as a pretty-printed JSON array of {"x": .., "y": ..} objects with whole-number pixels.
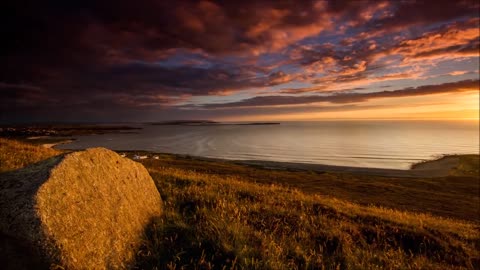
[{"x": 381, "y": 144}]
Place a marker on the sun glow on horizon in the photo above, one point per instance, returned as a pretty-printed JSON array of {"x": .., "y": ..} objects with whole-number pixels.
[{"x": 447, "y": 106}]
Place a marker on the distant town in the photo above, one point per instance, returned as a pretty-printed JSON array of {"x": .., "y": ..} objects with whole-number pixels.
[{"x": 62, "y": 130}]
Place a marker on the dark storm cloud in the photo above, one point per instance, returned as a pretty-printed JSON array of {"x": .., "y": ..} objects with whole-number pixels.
[
  {"x": 127, "y": 92},
  {"x": 141, "y": 78},
  {"x": 56, "y": 34},
  {"x": 89, "y": 46},
  {"x": 461, "y": 86},
  {"x": 64, "y": 33},
  {"x": 408, "y": 13},
  {"x": 133, "y": 85}
]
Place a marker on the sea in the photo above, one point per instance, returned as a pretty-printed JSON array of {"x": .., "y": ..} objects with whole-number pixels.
[{"x": 378, "y": 144}]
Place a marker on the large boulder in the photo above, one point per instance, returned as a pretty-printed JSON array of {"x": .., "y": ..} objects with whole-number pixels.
[{"x": 83, "y": 210}]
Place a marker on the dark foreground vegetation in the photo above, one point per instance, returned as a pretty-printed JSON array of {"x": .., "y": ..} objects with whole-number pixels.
[{"x": 219, "y": 215}]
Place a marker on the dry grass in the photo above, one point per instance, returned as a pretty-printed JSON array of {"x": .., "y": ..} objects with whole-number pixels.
[
  {"x": 469, "y": 165},
  {"x": 15, "y": 155},
  {"x": 224, "y": 222},
  {"x": 218, "y": 215},
  {"x": 454, "y": 196}
]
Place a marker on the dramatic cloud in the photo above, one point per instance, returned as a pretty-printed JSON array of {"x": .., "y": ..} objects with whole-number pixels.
[
  {"x": 123, "y": 57},
  {"x": 452, "y": 41}
]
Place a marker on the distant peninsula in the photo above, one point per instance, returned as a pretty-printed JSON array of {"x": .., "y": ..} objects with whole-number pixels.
[
  {"x": 62, "y": 130},
  {"x": 206, "y": 123}
]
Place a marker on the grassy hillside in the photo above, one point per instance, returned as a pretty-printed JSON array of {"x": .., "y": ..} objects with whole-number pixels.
[
  {"x": 219, "y": 215},
  {"x": 15, "y": 154},
  {"x": 469, "y": 166},
  {"x": 212, "y": 222},
  {"x": 455, "y": 196}
]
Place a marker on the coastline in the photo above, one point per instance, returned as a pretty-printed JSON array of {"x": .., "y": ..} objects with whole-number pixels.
[
  {"x": 427, "y": 169},
  {"x": 53, "y": 144},
  {"x": 419, "y": 190},
  {"x": 439, "y": 167}
]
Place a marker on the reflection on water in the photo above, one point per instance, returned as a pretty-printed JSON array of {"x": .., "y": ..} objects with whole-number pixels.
[{"x": 382, "y": 144}]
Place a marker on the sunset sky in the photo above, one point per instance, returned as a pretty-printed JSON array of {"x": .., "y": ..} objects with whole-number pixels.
[{"x": 159, "y": 60}]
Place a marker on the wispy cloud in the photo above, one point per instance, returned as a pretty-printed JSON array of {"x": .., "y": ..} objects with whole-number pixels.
[{"x": 461, "y": 86}]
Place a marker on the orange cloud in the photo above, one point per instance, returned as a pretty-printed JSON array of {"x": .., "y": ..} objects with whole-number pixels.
[
  {"x": 452, "y": 106},
  {"x": 458, "y": 72},
  {"x": 345, "y": 98},
  {"x": 455, "y": 41},
  {"x": 277, "y": 34}
]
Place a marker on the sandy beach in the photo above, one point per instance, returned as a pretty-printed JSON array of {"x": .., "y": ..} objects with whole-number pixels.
[{"x": 51, "y": 145}]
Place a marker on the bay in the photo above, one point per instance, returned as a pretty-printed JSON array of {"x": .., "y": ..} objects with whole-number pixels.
[{"x": 378, "y": 144}]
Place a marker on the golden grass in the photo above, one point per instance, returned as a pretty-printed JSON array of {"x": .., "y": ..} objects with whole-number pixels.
[
  {"x": 454, "y": 196},
  {"x": 15, "y": 155},
  {"x": 225, "y": 222},
  {"x": 217, "y": 217}
]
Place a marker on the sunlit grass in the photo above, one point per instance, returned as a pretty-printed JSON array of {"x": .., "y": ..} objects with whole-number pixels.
[
  {"x": 224, "y": 222},
  {"x": 217, "y": 217},
  {"x": 15, "y": 155}
]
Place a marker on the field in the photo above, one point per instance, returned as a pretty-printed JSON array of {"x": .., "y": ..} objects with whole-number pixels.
[
  {"x": 453, "y": 196},
  {"x": 221, "y": 215}
]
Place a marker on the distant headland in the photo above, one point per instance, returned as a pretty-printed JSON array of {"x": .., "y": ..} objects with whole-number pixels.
[
  {"x": 63, "y": 130},
  {"x": 207, "y": 123}
]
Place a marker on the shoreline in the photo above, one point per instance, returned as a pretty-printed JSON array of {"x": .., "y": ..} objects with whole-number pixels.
[
  {"x": 428, "y": 168},
  {"x": 438, "y": 167},
  {"x": 52, "y": 145}
]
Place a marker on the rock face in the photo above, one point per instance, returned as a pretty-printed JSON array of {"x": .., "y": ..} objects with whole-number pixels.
[{"x": 84, "y": 210}]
